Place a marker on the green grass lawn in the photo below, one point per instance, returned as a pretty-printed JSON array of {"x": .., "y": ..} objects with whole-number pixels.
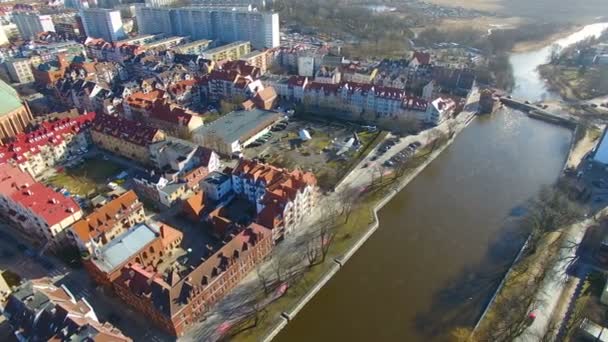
[{"x": 88, "y": 178}]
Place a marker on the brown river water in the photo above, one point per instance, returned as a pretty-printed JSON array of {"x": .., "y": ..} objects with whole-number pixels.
[{"x": 447, "y": 239}]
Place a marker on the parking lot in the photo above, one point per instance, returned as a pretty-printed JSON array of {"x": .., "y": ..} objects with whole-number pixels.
[
  {"x": 398, "y": 158},
  {"x": 323, "y": 147}
]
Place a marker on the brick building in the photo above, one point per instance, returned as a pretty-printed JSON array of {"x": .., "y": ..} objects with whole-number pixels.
[
  {"x": 176, "y": 300},
  {"x": 15, "y": 115},
  {"x": 145, "y": 243},
  {"x": 125, "y": 137}
]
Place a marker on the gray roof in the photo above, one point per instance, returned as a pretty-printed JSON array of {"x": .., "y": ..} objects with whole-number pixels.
[
  {"x": 124, "y": 246},
  {"x": 216, "y": 177},
  {"x": 239, "y": 125}
]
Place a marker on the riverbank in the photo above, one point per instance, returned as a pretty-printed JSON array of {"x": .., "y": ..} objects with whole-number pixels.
[
  {"x": 352, "y": 229},
  {"x": 527, "y": 46}
]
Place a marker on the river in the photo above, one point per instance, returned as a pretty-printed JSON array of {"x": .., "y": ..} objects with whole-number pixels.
[{"x": 447, "y": 239}]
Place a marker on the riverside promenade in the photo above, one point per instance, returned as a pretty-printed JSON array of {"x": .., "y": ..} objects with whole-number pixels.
[{"x": 233, "y": 307}]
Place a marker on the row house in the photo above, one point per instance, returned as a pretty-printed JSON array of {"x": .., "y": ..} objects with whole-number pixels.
[
  {"x": 147, "y": 244},
  {"x": 358, "y": 98},
  {"x": 439, "y": 110},
  {"x": 185, "y": 93},
  {"x": 40, "y": 212},
  {"x": 227, "y": 84},
  {"x": 282, "y": 198},
  {"x": 48, "y": 144},
  {"x": 128, "y": 138},
  {"x": 105, "y": 223},
  {"x": 100, "y": 50},
  {"x": 38, "y": 310},
  {"x": 182, "y": 161},
  {"x": 174, "y": 301},
  {"x": 156, "y": 111}
]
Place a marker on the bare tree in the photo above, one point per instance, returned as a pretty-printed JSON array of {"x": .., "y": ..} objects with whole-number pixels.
[
  {"x": 312, "y": 252},
  {"x": 326, "y": 239},
  {"x": 263, "y": 278}
]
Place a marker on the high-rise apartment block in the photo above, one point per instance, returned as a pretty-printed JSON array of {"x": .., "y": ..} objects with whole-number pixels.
[
  {"x": 212, "y": 22},
  {"x": 30, "y": 24},
  {"x": 102, "y": 23}
]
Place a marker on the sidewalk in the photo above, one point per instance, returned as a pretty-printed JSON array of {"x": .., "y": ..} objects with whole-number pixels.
[{"x": 554, "y": 284}]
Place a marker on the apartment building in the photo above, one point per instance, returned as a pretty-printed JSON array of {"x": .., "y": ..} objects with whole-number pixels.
[
  {"x": 227, "y": 24},
  {"x": 230, "y": 51},
  {"x": 258, "y": 59},
  {"x": 128, "y": 138},
  {"x": 146, "y": 244},
  {"x": 157, "y": 112},
  {"x": 282, "y": 198},
  {"x": 20, "y": 70},
  {"x": 196, "y": 47},
  {"x": 105, "y": 223},
  {"x": 47, "y": 145},
  {"x": 30, "y": 24},
  {"x": 42, "y": 213},
  {"x": 188, "y": 296},
  {"x": 102, "y": 23}
]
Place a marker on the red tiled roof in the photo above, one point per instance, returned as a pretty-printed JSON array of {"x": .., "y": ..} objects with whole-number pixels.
[
  {"x": 24, "y": 145},
  {"x": 132, "y": 131},
  {"x": 11, "y": 179},
  {"x": 106, "y": 217},
  {"x": 51, "y": 206},
  {"x": 424, "y": 58}
]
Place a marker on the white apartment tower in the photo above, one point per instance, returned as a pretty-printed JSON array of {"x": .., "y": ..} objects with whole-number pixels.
[
  {"x": 103, "y": 23},
  {"x": 30, "y": 24}
]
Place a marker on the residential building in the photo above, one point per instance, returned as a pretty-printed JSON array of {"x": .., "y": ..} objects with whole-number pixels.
[
  {"x": 235, "y": 130},
  {"x": 439, "y": 110},
  {"x": 146, "y": 244},
  {"x": 148, "y": 185},
  {"x": 259, "y": 59},
  {"x": 50, "y": 143},
  {"x": 160, "y": 3},
  {"x": 420, "y": 60},
  {"x": 20, "y": 70},
  {"x": 15, "y": 115},
  {"x": 226, "y": 24},
  {"x": 232, "y": 51},
  {"x": 105, "y": 223},
  {"x": 177, "y": 159},
  {"x": 196, "y": 47},
  {"x": 128, "y": 138},
  {"x": 359, "y": 74},
  {"x": 3, "y": 37},
  {"x": 229, "y": 84},
  {"x": 328, "y": 75},
  {"x": 40, "y": 311},
  {"x": 175, "y": 301},
  {"x": 30, "y": 24},
  {"x": 282, "y": 198},
  {"x": 42, "y": 213},
  {"x": 102, "y": 23},
  {"x": 194, "y": 206},
  {"x": 217, "y": 186},
  {"x": 164, "y": 44},
  {"x": 156, "y": 111},
  {"x": 265, "y": 99},
  {"x": 5, "y": 288}
]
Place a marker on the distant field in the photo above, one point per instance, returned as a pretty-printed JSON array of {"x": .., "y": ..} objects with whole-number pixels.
[{"x": 549, "y": 10}]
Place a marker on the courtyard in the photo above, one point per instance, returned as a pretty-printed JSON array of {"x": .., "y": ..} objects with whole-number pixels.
[{"x": 86, "y": 178}]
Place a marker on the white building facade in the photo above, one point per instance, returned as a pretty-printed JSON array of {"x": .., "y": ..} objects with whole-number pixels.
[
  {"x": 103, "y": 23},
  {"x": 30, "y": 24}
]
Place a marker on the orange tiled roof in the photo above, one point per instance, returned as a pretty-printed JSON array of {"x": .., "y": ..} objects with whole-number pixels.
[{"x": 104, "y": 218}]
